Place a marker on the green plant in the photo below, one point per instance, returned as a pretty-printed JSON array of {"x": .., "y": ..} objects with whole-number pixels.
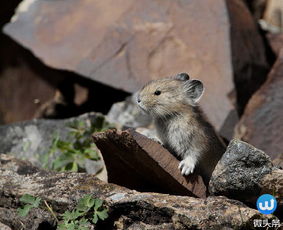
[
  {"x": 77, "y": 217},
  {"x": 88, "y": 210},
  {"x": 30, "y": 202},
  {"x": 70, "y": 154}
]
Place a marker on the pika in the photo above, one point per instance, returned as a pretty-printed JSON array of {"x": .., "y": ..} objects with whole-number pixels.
[{"x": 181, "y": 125}]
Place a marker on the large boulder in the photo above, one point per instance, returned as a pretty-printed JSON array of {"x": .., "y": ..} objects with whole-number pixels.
[
  {"x": 22, "y": 86},
  {"x": 250, "y": 67},
  {"x": 133, "y": 42},
  {"x": 127, "y": 209},
  {"x": 33, "y": 139},
  {"x": 261, "y": 124},
  {"x": 244, "y": 173}
]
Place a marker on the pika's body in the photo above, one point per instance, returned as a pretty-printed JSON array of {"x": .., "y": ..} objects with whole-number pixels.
[{"x": 180, "y": 123}]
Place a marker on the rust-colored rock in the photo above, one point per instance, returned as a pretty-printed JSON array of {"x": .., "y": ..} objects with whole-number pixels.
[
  {"x": 135, "y": 161},
  {"x": 29, "y": 89},
  {"x": 273, "y": 184},
  {"x": 125, "y": 43},
  {"x": 248, "y": 53},
  {"x": 262, "y": 124},
  {"x": 22, "y": 85},
  {"x": 257, "y": 7}
]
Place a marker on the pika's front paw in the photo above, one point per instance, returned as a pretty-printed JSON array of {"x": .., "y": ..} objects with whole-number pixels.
[{"x": 186, "y": 166}]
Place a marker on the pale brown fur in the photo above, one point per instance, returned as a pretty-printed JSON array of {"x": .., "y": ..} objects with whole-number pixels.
[{"x": 180, "y": 123}]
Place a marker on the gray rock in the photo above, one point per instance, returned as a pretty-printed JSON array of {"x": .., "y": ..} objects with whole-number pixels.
[
  {"x": 127, "y": 114},
  {"x": 127, "y": 209},
  {"x": 4, "y": 227},
  {"x": 31, "y": 139},
  {"x": 261, "y": 124},
  {"x": 239, "y": 172}
]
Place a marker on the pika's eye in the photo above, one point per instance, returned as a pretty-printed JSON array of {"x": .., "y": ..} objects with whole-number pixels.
[{"x": 157, "y": 92}]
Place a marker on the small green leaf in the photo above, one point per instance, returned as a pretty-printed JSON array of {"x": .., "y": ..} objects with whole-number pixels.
[
  {"x": 102, "y": 214},
  {"x": 98, "y": 204},
  {"x": 83, "y": 221},
  {"x": 85, "y": 203},
  {"x": 24, "y": 211},
  {"x": 69, "y": 216},
  {"x": 36, "y": 203},
  {"x": 83, "y": 228},
  {"x": 64, "y": 145},
  {"x": 61, "y": 226},
  {"x": 98, "y": 213},
  {"x": 27, "y": 198},
  {"x": 66, "y": 226},
  {"x": 74, "y": 167},
  {"x": 54, "y": 142},
  {"x": 91, "y": 153},
  {"x": 83, "y": 224},
  {"x": 95, "y": 218},
  {"x": 62, "y": 161},
  {"x": 30, "y": 201},
  {"x": 71, "y": 226},
  {"x": 90, "y": 202}
]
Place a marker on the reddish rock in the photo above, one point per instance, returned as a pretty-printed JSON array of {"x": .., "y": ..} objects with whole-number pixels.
[
  {"x": 22, "y": 86},
  {"x": 137, "y": 162},
  {"x": 250, "y": 67},
  {"x": 29, "y": 89},
  {"x": 257, "y": 7},
  {"x": 262, "y": 124},
  {"x": 132, "y": 42},
  {"x": 22, "y": 89},
  {"x": 125, "y": 43}
]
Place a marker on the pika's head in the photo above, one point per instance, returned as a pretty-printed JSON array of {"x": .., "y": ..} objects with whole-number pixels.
[{"x": 169, "y": 96}]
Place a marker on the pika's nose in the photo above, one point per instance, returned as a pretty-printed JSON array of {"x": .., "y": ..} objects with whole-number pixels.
[{"x": 138, "y": 99}]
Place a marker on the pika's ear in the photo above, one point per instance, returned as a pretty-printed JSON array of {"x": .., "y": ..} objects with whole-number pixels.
[
  {"x": 194, "y": 90},
  {"x": 182, "y": 77}
]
